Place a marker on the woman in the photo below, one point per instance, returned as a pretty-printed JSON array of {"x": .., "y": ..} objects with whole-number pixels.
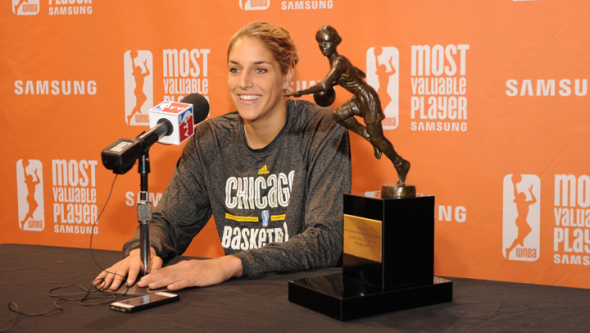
[{"x": 271, "y": 173}]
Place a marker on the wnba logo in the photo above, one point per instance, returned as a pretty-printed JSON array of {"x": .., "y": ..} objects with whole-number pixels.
[
  {"x": 254, "y": 4},
  {"x": 29, "y": 178},
  {"x": 382, "y": 75},
  {"x": 25, "y": 7},
  {"x": 139, "y": 87},
  {"x": 522, "y": 217}
]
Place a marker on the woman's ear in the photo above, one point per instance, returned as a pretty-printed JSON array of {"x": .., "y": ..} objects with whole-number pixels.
[{"x": 288, "y": 77}]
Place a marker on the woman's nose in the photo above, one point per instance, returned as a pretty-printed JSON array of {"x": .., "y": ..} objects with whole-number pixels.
[{"x": 245, "y": 81}]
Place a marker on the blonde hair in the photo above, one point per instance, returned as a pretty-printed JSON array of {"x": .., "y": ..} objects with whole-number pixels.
[{"x": 277, "y": 40}]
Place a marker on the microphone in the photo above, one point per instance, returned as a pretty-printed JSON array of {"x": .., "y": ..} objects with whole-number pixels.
[
  {"x": 170, "y": 122},
  {"x": 179, "y": 117}
]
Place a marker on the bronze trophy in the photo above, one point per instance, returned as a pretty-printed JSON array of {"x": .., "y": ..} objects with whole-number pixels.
[
  {"x": 364, "y": 103},
  {"x": 388, "y": 241}
]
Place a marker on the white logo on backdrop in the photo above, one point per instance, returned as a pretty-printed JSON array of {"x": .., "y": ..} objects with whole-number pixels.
[
  {"x": 521, "y": 217},
  {"x": 29, "y": 179},
  {"x": 25, "y": 7},
  {"x": 139, "y": 87},
  {"x": 383, "y": 76},
  {"x": 254, "y": 4}
]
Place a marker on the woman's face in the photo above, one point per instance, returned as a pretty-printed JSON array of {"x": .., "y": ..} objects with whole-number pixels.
[{"x": 255, "y": 81}]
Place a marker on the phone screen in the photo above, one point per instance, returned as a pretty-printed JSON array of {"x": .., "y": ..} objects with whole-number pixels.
[
  {"x": 145, "y": 299},
  {"x": 143, "y": 302}
]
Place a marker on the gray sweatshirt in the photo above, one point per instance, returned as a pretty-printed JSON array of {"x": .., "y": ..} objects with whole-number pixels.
[{"x": 278, "y": 209}]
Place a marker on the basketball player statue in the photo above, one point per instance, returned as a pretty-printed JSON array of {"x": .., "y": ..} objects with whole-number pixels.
[{"x": 365, "y": 103}]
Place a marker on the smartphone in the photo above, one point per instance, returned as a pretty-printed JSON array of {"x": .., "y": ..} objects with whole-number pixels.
[{"x": 144, "y": 302}]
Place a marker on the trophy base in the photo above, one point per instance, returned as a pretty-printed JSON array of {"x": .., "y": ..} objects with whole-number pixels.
[
  {"x": 343, "y": 298},
  {"x": 396, "y": 191}
]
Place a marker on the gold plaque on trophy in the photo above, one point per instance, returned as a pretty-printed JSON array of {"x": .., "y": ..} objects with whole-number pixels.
[{"x": 362, "y": 237}]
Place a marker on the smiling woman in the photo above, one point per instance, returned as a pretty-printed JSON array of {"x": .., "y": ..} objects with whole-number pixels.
[
  {"x": 256, "y": 86},
  {"x": 260, "y": 70},
  {"x": 272, "y": 174}
]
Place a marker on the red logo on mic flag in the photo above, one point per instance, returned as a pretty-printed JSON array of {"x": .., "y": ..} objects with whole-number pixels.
[
  {"x": 180, "y": 115},
  {"x": 186, "y": 125}
]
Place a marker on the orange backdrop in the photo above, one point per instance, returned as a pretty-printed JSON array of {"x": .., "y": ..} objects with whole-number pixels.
[{"x": 488, "y": 100}]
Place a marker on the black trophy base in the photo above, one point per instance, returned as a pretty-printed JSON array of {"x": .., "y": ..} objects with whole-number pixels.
[{"x": 343, "y": 298}]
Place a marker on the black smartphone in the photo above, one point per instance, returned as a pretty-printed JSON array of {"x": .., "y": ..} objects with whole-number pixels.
[{"x": 143, "y": 302}]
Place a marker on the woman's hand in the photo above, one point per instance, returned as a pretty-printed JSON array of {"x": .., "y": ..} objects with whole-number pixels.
[
  {"x": 129, "y": 267},
  {"x": 193, "y": 273}
]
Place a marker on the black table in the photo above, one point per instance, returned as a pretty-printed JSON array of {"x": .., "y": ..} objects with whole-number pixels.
[{"x": 28, "y": 272}]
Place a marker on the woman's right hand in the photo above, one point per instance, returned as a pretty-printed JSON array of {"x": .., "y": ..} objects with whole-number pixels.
[{"x": 129, "y": 267}]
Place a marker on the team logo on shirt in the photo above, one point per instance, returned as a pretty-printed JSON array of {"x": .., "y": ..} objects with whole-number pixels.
[
  {"x": 259, "y": 193},
  {"x": 238, "y": 238}
]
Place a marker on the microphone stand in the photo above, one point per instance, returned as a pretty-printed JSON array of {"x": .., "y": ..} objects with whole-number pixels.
[{"x": 144, "y": 211}]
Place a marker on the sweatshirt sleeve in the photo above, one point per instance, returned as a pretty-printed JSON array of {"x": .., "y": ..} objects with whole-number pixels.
[{"x": 319, "y": 242}]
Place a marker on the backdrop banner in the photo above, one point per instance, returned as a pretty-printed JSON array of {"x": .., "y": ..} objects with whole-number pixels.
[{"x": 488, "y": 100}]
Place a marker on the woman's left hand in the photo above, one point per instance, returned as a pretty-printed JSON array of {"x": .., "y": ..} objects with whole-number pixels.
[{"x": 193, "y": 273}]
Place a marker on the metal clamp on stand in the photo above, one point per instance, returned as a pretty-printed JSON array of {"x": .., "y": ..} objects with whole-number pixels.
[{"x": 144, "y": 212}]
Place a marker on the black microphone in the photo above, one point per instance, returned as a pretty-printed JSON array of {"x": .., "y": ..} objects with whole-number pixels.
[{"x": 170, "y": 122}]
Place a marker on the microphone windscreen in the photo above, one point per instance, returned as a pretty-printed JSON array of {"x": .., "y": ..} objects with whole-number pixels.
[{"x": 200, "y": 106}]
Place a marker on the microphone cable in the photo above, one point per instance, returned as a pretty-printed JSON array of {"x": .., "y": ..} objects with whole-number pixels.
[{"x": 84, "y": 296}]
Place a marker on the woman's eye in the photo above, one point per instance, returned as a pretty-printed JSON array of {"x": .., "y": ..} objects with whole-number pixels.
[
  {"x": 261, "y": 70},
  {"x": 234, "y": 70}
]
